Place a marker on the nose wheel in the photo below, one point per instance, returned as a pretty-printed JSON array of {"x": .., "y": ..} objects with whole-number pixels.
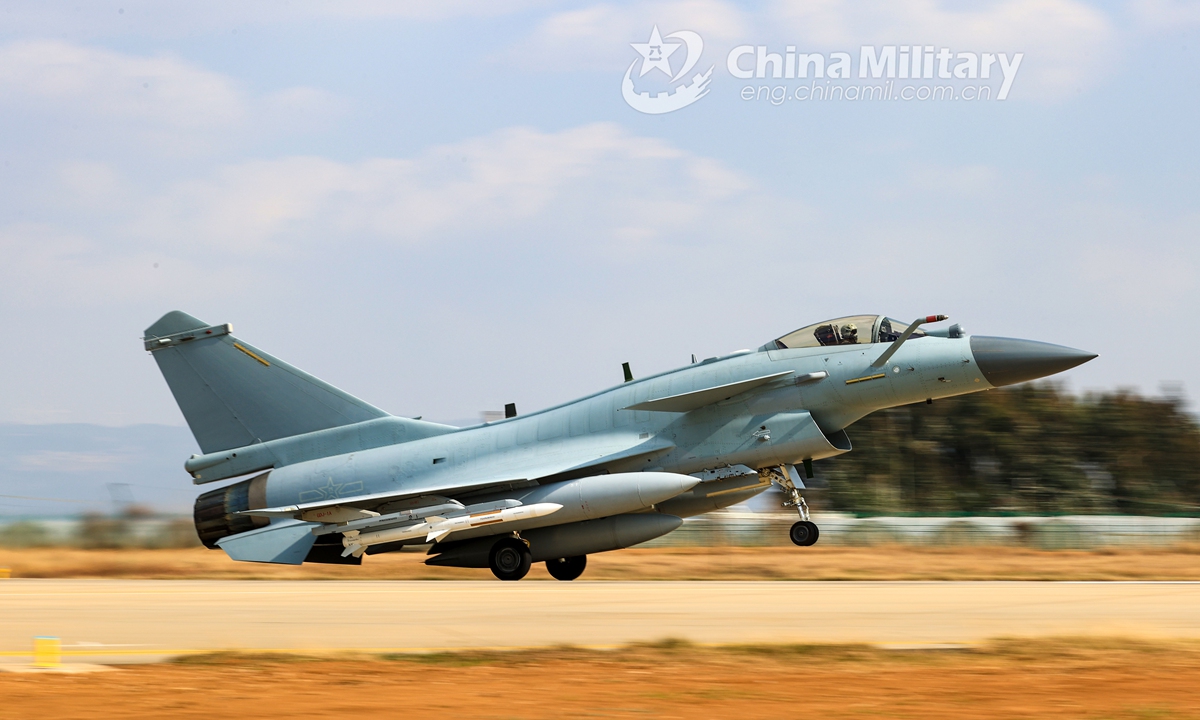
[{"x": 805, "y": 532}]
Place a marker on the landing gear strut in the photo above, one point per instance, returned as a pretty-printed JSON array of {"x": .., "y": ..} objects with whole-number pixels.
[
  {"x": 805, "y": 532},
  {"x": 510, "y": 559}
]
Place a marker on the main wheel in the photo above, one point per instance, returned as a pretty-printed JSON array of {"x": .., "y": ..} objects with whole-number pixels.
[
  {"x": 567, "y": 568},
  {"x": 804, "y": 533},
  {"x": 510, "y": 559}
]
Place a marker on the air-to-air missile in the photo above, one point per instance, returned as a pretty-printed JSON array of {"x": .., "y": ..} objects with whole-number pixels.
[
  {"x": 437, "y": 527},
  {"x": 339, "y": 478},
  {"x": 576, "y": 506},
  {"x": 571, "y": 501}
]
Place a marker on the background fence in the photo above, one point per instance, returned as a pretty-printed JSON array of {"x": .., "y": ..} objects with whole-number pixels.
[
  {"x": 1049, "y": 533},
  {"x": 714, "y": 529},
  {"x": 100, "y": 531}
]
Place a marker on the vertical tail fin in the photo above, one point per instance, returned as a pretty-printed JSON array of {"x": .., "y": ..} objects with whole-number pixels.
[{"x": 233, "y": 394}]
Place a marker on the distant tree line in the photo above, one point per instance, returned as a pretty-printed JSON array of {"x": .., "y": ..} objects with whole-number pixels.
[
  {"x": 1027, "y": 449},
  {"x": 132, "y": 527}
]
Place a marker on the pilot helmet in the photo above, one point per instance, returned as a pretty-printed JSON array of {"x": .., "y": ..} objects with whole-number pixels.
[{"x": 850, "y": 332}]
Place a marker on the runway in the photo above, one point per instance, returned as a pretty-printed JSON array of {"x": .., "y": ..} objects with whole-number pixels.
[{"x": 140, "y": 620}]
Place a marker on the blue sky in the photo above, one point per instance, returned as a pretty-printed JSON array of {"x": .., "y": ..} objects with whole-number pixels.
[{"x": 443, "y": 210}]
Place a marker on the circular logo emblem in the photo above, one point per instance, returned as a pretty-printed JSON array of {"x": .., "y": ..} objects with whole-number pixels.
[{"x": 655, "y": 54}]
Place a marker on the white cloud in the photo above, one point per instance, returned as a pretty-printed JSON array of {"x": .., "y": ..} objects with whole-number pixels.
[
  {"x": 46, "y": 265},
  {"x": 103, "y": 98},
  {"x": 588, "y": 212},
  {"x": 163, "y": 90},
  {"x": 598, "y": 36},
  {"x": 598, "y": 178},
  {"x": 590, "y": 191},
  {"x": 164, "y": 19},
  {"x": 1065, "y": 41},
  {"x": 418, "y": 9}
]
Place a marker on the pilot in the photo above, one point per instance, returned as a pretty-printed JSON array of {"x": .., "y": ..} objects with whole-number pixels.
[{"x": 849, "y": 334}]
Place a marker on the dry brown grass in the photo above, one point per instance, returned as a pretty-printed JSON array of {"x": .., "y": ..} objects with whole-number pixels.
[
  {"x": 893, "y": 562},
  {"x": 1026, "y": 679}
]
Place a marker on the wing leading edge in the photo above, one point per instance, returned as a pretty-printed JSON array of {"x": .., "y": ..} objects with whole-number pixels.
[{"x": 689, "y": 401}]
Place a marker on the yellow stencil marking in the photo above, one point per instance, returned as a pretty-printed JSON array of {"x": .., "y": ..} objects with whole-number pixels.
[
  {"x": 738, "y": 489},
  {"x": 864, "y": 379},
  {"x": 251, "y": 354}
]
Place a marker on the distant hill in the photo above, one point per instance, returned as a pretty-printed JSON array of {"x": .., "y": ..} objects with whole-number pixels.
[{"x": 74, "y": 468}]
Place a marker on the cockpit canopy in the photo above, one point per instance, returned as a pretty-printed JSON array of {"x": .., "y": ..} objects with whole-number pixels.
[{"x": 850, "y": 330}]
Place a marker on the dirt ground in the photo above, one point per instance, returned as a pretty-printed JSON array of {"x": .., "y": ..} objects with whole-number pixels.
[
  {"x": 880, "y": 562},
  {"x": 1007, "y": 679}
]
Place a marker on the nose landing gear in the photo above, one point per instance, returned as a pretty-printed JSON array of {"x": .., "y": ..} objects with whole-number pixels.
[{"x": 804, "y": 532}]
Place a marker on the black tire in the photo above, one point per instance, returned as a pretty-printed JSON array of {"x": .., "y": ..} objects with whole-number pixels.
[
  {"x": 566, "y": 568},
  {"x": 799, "y": 533},
  {"x": 804, "y": 533},
  {"x": 510, "y": 559}
]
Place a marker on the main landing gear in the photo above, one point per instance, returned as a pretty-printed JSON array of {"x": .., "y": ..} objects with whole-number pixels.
[
  {"x": 566, "y": 568},
  {"x": 510, "y": 559},
  {"x": 804, "y": 532}
]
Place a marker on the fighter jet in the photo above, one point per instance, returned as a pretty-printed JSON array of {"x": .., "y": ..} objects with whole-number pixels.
[{"x": 328, "y": 478}]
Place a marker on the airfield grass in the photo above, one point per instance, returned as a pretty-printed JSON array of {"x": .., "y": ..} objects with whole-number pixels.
[
  {"x": 1063, "y": 678},
  {"x": 879, "y": 562}
]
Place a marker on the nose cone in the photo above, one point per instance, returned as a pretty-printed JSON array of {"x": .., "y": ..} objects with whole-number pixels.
[{"x": 1006, "y": 361}]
